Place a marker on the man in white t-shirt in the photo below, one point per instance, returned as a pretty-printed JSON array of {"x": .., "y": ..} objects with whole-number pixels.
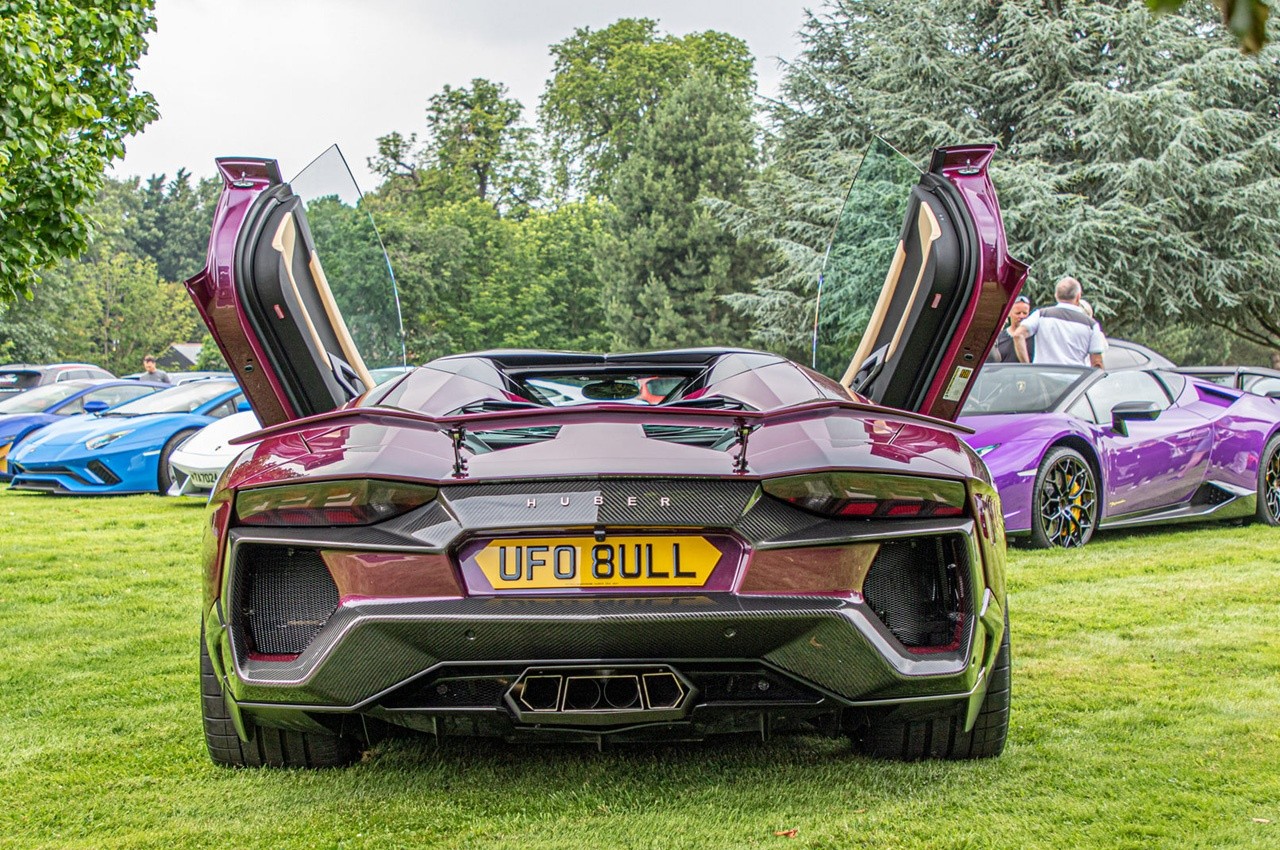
[{"x": 1064, "y": 332}]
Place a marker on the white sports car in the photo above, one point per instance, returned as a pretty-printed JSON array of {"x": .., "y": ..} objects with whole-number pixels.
[{"x": 196, "y": 464}]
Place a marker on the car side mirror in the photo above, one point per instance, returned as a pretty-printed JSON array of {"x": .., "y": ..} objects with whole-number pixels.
[
  {"x": 1273, "y": 394},
  {"x": 1127, "y": 411},
  {"x": 95, "y": 406},
  {"x": 243, "y": 406}
]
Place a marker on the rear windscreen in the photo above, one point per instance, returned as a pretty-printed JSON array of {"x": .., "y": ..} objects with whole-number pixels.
[
  {"x": 18, "y": 380},
  {"x": 559, "y": 389}
]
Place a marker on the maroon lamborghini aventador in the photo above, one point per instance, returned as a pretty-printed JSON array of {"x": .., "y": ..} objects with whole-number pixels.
[{"x": 576, "y": 546}]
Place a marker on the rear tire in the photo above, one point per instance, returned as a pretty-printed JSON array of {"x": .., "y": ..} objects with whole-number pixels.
[
  {"x": 943, "y": 737},
  {"x": 1268, "y": 511},
  {"x": 163, "y": 479},
  {"x": 265, "y": 747},
  {"x": 1064, "y": 501}
]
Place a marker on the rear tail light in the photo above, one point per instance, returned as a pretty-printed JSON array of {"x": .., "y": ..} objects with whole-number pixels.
[
  {"x": 330, "y": 502},
  {"x": 856, "y": 495}
]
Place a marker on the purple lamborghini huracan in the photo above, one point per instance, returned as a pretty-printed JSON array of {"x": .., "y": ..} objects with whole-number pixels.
[
  {"x": 540, "y": 545},
  {"x": 1074, "y": 449}
]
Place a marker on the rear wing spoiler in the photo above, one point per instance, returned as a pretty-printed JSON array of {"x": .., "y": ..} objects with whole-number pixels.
[{"x": 657, "y": 415}]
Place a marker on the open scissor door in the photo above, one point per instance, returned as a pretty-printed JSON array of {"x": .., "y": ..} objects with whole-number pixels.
[
  {"x": 300, "y": 335},
  {"x": 949, "y": 282}
]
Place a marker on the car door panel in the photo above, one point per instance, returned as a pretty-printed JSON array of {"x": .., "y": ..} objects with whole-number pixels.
[
  {"x": 294, "y": 313},
  {"x": 215, "y": 292},
  {"x": 1157, "y": 464},
  {"x": 280, "y": 320},
  {"x": 949, "y": 286},
  {"x": 914, "y": 258}
]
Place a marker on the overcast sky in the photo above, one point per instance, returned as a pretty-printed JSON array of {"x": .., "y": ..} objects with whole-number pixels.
[{"x": 287, "y": 78}]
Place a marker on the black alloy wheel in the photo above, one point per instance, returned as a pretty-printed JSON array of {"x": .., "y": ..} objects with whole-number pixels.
[
  {"x": 1064, "y": 501},
  {"x": 1269, "y": 483}
]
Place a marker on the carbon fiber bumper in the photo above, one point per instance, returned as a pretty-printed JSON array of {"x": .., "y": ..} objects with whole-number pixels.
[
  {"x": 403, "y": 659},
  {"x": 369, "y": 652}
]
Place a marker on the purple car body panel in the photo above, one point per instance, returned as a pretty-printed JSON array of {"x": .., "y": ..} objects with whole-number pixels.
[
  {"x": 1024, "y": 439},
  {"x": 214, "y": 289},
  {"x": 833, "y": 439},
  {"x": 808, "y": 424}
]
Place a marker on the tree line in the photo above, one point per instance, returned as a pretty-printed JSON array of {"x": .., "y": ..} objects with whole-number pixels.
[
  {"x": 123, "y": 298},
  {"x": 650, "y": 200}
]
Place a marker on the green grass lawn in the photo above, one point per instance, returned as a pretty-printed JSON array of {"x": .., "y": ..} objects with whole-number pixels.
[{"x": 1146, "y": 713}]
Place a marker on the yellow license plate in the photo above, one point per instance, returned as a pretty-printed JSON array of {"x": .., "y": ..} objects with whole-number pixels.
[{"x": 556, "y": 562}]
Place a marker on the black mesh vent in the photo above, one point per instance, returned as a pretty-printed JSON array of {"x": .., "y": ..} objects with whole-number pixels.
[
  {"x": 287, "y": 595},
  {"x": 448, "y": 691},
  {"x": 693, "y": 435},
  {"x": 38, "y": 484},
  {"x": 748, "y": 686},
  {"x": 916, "y": 588},
  {"x": 481, "y": 442},
  {"x": 100, "y": 469},
  {"x": 51, "y": 469},
  {"x": 1210, "y": 494}
]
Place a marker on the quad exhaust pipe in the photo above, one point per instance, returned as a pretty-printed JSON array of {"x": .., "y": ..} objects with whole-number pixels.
[{"x": 560, "y": 695}]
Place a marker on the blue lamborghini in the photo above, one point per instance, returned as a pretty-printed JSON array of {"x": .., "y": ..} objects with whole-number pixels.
[
  {"x": 122, "y": 450},
  {"x": 22, "y": 414}
]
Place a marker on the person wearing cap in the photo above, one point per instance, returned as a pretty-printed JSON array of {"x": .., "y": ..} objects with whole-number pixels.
[
  {"x": 1064, "y": 333},
  {"x": 1003, "y": 351}
]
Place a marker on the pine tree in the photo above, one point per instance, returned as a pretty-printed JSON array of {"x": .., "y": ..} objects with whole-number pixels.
[
  {"x": 1140, "y": 154},
  {"x": 665, "y": 260}
]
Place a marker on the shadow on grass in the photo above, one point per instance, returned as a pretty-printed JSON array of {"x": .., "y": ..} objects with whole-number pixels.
[
  {"x": 59, "y": 498},
  {"x": 740, "y": 747},
  {"x": 734, "y": 756},
  {"x": 1145, "y": 531},
  {"x": 1120, "y": 536}
]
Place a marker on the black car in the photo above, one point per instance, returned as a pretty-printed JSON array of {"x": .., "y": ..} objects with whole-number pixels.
[{"x": 1258, "y": 380}]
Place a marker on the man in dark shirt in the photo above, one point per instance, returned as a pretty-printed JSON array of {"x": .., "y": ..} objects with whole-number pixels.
[
  {"x": 1003, "y": 351},
  {"x": 151, "y": 373}
]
